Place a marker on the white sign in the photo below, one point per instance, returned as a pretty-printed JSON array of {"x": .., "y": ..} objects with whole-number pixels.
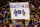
[{"x": 19, "y": 10}]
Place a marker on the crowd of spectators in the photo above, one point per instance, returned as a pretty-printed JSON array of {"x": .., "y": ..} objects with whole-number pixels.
[{"x": 5, "y": 17}]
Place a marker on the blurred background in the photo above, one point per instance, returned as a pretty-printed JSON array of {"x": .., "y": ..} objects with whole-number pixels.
[{"x": 5, "y": 17}]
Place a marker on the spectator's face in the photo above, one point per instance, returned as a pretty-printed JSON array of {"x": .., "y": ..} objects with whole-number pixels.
[
  {"x": 3, "y": 20},
  {"x": 6, "y": 15},
  {"x": 35, "y": 20},
  {"x": 5, "y": 26},
  {"x": 36, "y": 15},
  {"x": 3, "y": 15},
  {"x": 13, "y": 25},
  {"x": 21, "y": 24},
  {"x": 7, "y": 19},
  {"x": 32, "y": 16}
]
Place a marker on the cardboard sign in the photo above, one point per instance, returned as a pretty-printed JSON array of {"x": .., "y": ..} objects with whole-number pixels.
[{"x": 20, "y": 10}]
